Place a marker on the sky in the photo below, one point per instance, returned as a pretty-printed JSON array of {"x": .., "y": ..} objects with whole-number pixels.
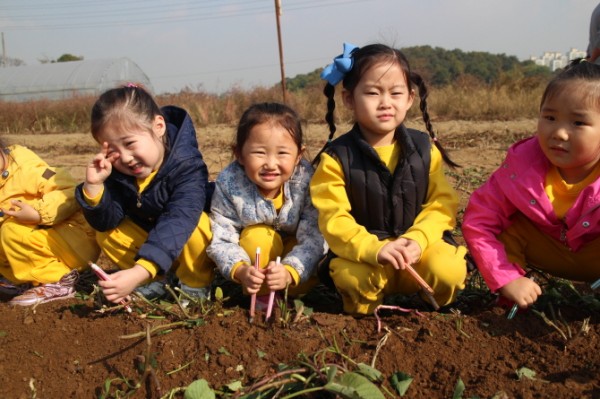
[{"x": 217, "y": 45}]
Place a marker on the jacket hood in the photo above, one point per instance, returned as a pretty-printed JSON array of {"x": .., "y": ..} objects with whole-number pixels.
[{"x": 180, "y": 146}]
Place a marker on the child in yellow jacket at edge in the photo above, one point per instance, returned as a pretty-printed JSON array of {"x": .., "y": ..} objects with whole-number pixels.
[{"x": 44, "y": 238}]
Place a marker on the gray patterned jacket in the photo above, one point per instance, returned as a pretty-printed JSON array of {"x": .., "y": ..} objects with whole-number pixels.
[{"x": 237, "y": 203}]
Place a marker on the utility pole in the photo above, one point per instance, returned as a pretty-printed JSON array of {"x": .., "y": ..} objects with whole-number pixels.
[
  {"x": 277, "y": 16},
  {"x": 3, "y": 61}
]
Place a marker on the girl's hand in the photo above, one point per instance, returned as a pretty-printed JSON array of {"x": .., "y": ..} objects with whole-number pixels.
[
  {"x": 25, "y": 213},
  {"x": 522, "y": 291},
  {"x": 99, "y": 168},
  {"x": 123, "y": 282},
  {"x": 250, "y": 277},
  {"x": 277, "y": 277},
  {"x": 399, "y": 253}
]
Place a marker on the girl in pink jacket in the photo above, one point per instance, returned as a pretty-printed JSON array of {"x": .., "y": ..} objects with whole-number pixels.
[{"x": 541, "y": 208}]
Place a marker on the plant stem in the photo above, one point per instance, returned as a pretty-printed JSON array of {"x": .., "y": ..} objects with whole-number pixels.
[{"x": 155, "y": 330}]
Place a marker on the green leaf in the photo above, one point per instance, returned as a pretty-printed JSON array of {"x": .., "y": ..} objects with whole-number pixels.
[
  {"x": 197, "y": 322},
  {"x": 107, "y": 384},
  {"x": 234, "y": 386},
  {"x": 401, "y": 381},
  {"x": 524, "y": 372},
  {"x": 300, "y": 307},
  {"x": 298, "y": 304},
  {"x": 3, "y": 333},
  {"x": 199, "y": 389},
  {"x": 224, "y": 351},
  {"x": 371, "y": 373},
  {"x": 459, "y": 389},
  {"x": 331, "y": 372},
  {"x": 260, "y": 353},
  {"x": 218, "y": 294},
  {"x": 354, "y": 386}
]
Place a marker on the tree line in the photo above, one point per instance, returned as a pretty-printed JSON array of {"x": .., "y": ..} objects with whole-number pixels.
[{"x": 440, "y": 67}]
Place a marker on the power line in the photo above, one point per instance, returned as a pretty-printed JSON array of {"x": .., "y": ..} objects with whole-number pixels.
[
  {"x": 115, "y": 12},
  {"x": 157, "y": 17},
  {"x": 107, "y": 3}
]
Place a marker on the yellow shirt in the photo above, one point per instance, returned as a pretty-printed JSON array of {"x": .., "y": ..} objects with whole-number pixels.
[
  {"x": 562, "y": 195},
  {"x": 352, "y": 241},
  {"x": 150, "y": 266},
  {"x": 277, "y": 203}
]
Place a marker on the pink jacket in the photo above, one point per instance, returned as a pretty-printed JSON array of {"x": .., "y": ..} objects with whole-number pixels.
[{"x": 518, "y": 186}]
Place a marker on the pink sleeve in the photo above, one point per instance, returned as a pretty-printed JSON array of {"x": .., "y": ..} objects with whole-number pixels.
[{"x": 487, "y": 215}]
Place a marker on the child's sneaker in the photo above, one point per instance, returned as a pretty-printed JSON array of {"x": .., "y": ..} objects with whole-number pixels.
[
  {"x": 201, "y": 293},
  {"x": 156, "y": 289},
  {"x": 192, "y": 292},
  {"x": 153, "y": 290},
  {"x": 9, "y": 290},
  {"x": 63, "y": 289}
]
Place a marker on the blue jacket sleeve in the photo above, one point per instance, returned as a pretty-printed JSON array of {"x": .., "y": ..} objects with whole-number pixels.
[{"x": 107, "y": 215}]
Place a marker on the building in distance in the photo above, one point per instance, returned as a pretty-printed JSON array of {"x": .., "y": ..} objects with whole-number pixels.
[{"x": 556, "y": 60}]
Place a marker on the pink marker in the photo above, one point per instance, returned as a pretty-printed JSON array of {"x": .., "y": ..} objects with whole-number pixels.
[
  {"x": 102, "y": 275},
  {"x": 253, "y": 297},
  {"x": 271, "y": 297}
]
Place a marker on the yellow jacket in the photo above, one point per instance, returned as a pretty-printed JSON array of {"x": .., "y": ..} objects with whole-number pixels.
[
  {"x": 348, "y": 239},
  {"x": 50, "y": 191}
]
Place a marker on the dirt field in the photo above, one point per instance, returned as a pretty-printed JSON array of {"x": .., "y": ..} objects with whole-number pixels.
[{"x": 73, "y": 349}]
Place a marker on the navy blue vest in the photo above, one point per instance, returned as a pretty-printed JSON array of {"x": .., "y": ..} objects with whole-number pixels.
[{"x": 385, "y": 204}]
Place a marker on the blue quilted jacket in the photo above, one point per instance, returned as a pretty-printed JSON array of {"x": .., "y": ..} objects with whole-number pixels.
[
  {"x": 171, "y": 204},
  {"x": 237, "y": 204}
]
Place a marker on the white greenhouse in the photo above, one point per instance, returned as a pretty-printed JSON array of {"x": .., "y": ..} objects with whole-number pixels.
[{"x": 62, "y": 80}]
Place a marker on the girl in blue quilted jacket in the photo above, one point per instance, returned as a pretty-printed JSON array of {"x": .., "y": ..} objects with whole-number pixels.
[
  {"x": 145, "y": 192},
  {"x": 262, "y": 201}
]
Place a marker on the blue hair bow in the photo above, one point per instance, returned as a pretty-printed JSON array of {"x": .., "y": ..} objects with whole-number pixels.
[{"x": 342, "y": 64}]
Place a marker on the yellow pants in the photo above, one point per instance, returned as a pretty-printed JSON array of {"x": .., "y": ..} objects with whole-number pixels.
[
  {"x": 271, "y": 246},
  {"x": 192, "y": 267},
  {"x": 363, "y": 286},
  {"x": 525, "y": 245},
  {"x": 41, "y": 255}
]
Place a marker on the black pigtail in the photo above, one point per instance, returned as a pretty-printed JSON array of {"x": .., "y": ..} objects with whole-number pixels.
[
  {"x": 423, "y": 94},
  {"x": 329, "y": 92}
]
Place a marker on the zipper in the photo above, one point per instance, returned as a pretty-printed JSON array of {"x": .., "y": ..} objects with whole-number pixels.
[{"x": 563, "y": 233}]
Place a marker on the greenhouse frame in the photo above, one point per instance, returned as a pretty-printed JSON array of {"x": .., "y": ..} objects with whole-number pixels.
[{"x": 63, "y": 80}]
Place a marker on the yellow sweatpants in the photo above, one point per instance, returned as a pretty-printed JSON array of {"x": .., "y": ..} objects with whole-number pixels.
[
  {"x": 41, "y": 255},
  {"x": 363, "y": 286},
  {"x": 525, "y": 245},
  {"x": 271, "y": 246},
  {"x": 192, "y": 267}
]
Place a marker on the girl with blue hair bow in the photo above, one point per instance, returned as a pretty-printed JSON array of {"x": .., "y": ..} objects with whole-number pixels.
[{"x": 385, "y": 206}]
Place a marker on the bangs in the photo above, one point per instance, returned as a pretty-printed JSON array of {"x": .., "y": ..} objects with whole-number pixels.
[
  {"x": 590, "y": 88},
  {"x": 123, "y": 120}
]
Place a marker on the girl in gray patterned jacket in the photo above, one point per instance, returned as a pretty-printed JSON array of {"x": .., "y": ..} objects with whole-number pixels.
[{"x": 262, "y": 201}]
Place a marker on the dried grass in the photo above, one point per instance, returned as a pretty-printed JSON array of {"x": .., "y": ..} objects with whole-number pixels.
[{"x": 464, "y": 100}]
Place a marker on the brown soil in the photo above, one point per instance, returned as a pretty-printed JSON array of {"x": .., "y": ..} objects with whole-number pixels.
[{"x": 73, "y": 349}]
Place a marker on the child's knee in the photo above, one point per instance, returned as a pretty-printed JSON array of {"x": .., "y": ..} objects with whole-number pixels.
[
  {"x": 360, "y": 286},
  {"x": 446, "y": 263},
  {"x": 13, "y": 232},
  {"x": 445, "y": 270},
  {"x": 264, "y": 237}
]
